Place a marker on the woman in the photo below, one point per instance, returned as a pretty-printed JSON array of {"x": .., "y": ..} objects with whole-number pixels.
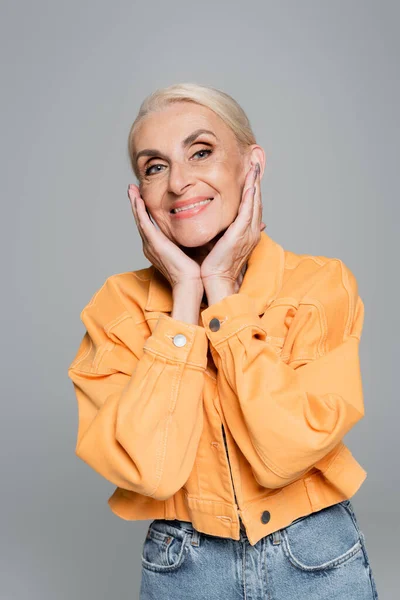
[{"x": 215, "y": 386}]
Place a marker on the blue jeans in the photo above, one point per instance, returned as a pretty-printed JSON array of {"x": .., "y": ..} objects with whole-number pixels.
[{"x": 317, "y": 557}]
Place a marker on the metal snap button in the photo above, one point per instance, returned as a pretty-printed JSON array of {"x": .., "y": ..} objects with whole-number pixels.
[
  {"x": 266, "y": 516},
  {"x": 214, "y": 324},
  {"x": 179, "y": 340}
]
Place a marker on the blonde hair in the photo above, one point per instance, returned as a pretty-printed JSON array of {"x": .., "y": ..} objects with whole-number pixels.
[{"x": 218, "y": 101}]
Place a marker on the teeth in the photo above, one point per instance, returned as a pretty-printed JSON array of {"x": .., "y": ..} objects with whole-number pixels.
[{"x": 176, "y": 210}]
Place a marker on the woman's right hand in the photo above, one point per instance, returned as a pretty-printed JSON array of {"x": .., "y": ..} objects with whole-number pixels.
[{"x": 166, "y": 256}]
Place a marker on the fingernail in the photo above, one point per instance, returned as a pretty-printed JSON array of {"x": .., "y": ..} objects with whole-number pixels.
[{"x": 256, "y": 171}]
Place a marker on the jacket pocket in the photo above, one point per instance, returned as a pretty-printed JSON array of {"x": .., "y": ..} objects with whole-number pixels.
[
  {"x": 322, "y": 540},
  {"x": 164, "y": 548}
]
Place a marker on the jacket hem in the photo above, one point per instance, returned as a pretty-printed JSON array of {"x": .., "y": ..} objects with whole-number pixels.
[{"x": 220, "y": 518}]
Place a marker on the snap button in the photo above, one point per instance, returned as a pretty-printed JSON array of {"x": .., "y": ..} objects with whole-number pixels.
[
  {"x": 179, "y": 339},
  {"x": 214, "y": 324},
  {"x": 265, "y": 517}
]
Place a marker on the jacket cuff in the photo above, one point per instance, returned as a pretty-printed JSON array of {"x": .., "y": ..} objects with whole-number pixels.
[
  {"x": 228, "y": 316},
  {"x": 178, "y": 341}
]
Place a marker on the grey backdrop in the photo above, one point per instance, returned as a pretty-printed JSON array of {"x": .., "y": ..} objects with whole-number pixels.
[{"x": 320, "y": 84}]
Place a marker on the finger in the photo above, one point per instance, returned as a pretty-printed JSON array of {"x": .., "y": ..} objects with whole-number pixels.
[
  {"x": 141, "y": 211},
  {"x": 245, "y": 212},
  {"x": 249, "y": 195},
  {"x": 133, "y": 195},
  {"x": 133, "y": 191},
  {"x": 248, "y": 186},
  {"x": 257, "y": 205},
  {"x": 250, "y": 179},
  {"x": 247, "y": 183}
]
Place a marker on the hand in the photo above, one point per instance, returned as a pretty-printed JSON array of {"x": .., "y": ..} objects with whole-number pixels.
[
  {"x": 226, "y": 260},
  {"x": 166, "y": 256}
]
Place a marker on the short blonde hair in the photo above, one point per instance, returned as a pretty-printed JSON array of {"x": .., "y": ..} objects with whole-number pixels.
[{"x": 218, "y": 101}]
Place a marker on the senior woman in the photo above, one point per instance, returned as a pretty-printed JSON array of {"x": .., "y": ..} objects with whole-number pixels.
[{"x": 215, "y": 386}]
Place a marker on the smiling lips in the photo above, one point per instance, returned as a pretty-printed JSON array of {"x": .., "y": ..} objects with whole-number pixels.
[{"x": 187, "y": 208}]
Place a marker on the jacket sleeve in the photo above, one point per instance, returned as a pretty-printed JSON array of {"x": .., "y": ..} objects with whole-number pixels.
[
  {"x": 139, "y": 397},
  {"x": 290, "y": 413}
]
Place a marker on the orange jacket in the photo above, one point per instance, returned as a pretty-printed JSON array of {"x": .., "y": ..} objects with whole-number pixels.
[{"x": 240, "y": 416}]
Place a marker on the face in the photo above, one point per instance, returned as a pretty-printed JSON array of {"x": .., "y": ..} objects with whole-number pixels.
[{"x": 209, "y": 165}]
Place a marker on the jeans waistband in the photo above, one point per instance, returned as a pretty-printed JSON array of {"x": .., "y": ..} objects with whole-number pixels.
[{"x": 188, "y": 526}]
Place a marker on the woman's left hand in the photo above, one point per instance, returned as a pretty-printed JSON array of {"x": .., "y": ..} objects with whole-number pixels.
[{"x": 222, "y": 267}]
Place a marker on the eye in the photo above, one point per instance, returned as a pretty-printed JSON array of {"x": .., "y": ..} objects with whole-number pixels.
[
  {"x": 148, "y": 170},
  {"x": 200, "y": 151}
]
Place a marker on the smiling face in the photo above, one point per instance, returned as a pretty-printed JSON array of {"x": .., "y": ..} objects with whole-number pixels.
[{"x": 207, "y": 165}]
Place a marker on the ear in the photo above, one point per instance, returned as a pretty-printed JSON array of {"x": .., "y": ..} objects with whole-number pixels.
[{"x": 257, "y": 155}]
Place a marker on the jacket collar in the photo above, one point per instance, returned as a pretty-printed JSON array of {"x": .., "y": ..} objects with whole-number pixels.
[{"x": 262, "y": 279}]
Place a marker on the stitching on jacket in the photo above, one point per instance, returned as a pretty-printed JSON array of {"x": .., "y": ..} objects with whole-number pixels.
[
  {"x": 275, "y": 339},
  {"x": 114, "y": 322},
  {"x": 267, "y": 463},
  {"x": 160, "y": 453},
  {"x": 355, "y": 336},
  {"x": 224, "y": 518},
  {"x": 289, "y": 301},
  {"x": 321, "y": 347},
  {"x": 226, "y": 370},
  {"x": 330, "y": 398},
  {"x": 99, "y": 355},
  {"x": 160, "y": 461},
  {"x": 110, "y": 346},
  {"x": 318, "y": 261},
  {"x": 305, "y": 357},
  {"x": 175, "y": 360},
  {"x": 137, "y": 276},
  {"x": 262, "y": 330},
  {"x": 205, "y": 500},
  {"x": 197, "y": 474},
  {"x": 79, "y": 359},
  {"x": 149, "y": 296},
  {"x": 340, "y": 449}
]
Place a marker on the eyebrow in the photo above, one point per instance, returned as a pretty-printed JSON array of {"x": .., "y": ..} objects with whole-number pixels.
[{"x": 186, "y": 142}]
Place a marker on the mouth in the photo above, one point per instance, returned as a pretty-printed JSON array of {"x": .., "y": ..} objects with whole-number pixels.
[{"x": 195, "y": 207}]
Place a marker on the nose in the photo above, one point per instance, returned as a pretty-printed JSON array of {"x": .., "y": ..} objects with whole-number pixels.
[{"x": 179, "y": 178}]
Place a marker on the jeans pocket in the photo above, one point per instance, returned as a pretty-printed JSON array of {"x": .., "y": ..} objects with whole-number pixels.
[
  {"x": 322, "y": 540},
  {"x": 165, "y": 547}
]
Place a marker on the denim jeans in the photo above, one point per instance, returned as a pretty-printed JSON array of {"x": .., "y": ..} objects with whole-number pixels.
[{"x": 317, "y": 557}]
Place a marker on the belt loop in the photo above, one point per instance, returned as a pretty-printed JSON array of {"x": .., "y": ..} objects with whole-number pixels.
[
  {"x": 276, "y": 537},
  {"x": 195, "y": 537}
]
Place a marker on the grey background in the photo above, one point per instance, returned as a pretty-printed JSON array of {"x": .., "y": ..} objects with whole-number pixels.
[{"x": 320, "y": 84}]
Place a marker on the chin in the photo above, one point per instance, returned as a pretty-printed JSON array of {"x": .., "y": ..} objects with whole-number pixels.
[{"x": 200, "y": 238}]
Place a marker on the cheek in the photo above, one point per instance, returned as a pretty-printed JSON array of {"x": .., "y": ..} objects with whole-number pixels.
[
  {"x": 224, "y": 179},
  {"x": 232, "y": 193},
  {"x": 151, "y": 196}
]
